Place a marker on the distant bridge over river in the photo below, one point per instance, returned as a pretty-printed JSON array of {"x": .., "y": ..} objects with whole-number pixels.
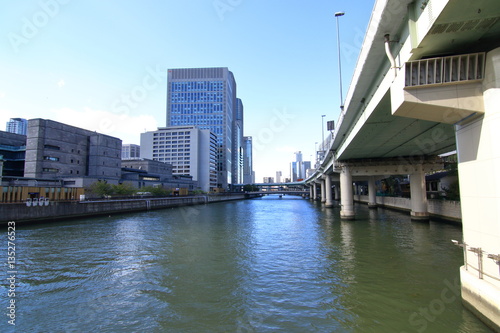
[{"x": 283, "y": 192}]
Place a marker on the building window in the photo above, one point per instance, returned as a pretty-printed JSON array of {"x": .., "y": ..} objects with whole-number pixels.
[
  {"x": 51, "y": 147},
  {"x": 50, "y": 158},
  {"x": 50, "y": 170}
]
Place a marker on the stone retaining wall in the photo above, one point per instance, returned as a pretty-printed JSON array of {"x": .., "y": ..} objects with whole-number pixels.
[
  {"x": 446, "y": 209},
  {"x": 62, "y": 210}
]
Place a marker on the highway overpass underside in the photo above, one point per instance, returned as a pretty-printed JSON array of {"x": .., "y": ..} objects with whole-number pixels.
[
  {"x": 427, "y": 81},
  {"x": 370, "y": 170},
  {"x": 380, "y": 134},
  {"x": 477, "y": 141}
]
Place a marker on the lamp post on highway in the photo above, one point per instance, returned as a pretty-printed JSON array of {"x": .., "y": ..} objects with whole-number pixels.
[
  {"x": 323, "y": 132},
  {"x": 337, "y": 15},
  {"x": 315, "y": 153}
]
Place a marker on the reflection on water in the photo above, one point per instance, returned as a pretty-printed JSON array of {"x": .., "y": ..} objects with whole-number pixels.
[{"x": 266, "y": 265}]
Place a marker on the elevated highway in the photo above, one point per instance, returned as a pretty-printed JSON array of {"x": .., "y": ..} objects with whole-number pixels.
[{"x": 427, "y": 82}]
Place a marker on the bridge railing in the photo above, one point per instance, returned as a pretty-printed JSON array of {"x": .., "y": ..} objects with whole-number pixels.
[
  {"x": 324, "y": 147},
  {"x": 442, "y": 70}
]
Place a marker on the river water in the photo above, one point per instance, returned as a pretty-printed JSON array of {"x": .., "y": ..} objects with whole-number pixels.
[{"x": 263, "y": 265}]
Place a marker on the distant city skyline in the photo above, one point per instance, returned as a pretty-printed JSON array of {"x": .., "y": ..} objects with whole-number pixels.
[{"x": 103, "y": 66}]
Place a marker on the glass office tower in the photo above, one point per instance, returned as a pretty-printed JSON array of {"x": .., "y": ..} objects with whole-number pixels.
[
  {"x": 237, "y": 164},
  {"x": 248, "y": 175},
  {"x": 206, "y": 98}
]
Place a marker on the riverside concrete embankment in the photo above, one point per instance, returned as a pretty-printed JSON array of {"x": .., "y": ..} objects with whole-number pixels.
[
  {"x": 444, "y": 209},
  {"x": 64, "y": 210}
]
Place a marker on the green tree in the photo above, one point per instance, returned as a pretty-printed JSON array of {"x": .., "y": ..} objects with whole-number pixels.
[
  {"x": 250, "y": 188},
  {"x": 100, "y": 188},
  {"x": 124, "y": 189},
  {"x": 453, "y": 191},
  {"x": 198, "y": 192},
  {"x": 156, "y": 191}
]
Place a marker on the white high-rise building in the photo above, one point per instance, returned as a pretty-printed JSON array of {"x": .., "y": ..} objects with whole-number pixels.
[
  {"x": 17, "y": 125},
  {"x": 279, "y": 174},
  {"x": 190, "y": 150},
  {"x": 131, "y": 151}
]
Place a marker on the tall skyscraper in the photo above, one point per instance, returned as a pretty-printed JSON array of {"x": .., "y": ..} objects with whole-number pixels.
[
  {"x": 248, "y": 174},
  {"x": 206, "y": 98},
  {"x": 17, "y": 125},
  {"x": 298, "y": 167},
  {"x": 237, "y": 172},
  {"x": 279, "y": 174}
]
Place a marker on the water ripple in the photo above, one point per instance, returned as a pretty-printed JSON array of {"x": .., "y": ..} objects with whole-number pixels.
[{"x": 251, "y": 266}]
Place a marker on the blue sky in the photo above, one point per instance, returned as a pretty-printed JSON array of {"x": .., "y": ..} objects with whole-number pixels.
[{"x": 101, "y": 65}]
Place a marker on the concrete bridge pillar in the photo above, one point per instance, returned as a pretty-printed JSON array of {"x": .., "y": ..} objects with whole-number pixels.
[
  {"x": 372, "y": 193},
  {"x": 323, "y": 191},
  {"x": 418, "y": 195},
  {"x": 478, "y": 161},
  {"x": 328, "y": 191},
  {"x": 346, "y": 197},
  {"x": 336, "y": 192},
  {"x": 315, "y": 192},
  {"x": 311, "y": 192}
]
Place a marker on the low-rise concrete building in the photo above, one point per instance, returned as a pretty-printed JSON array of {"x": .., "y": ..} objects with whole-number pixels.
[
  {"x": 56, "y": 150},
  {"x": 145, "y": 172},
  {"x": 12, "y": 148}
]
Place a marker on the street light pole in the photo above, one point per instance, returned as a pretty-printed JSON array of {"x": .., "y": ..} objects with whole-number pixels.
[
  {"x": 337, "y": 15},
  {"x": 323, "y": 131},
  {"x": 315, "y": 155}
]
